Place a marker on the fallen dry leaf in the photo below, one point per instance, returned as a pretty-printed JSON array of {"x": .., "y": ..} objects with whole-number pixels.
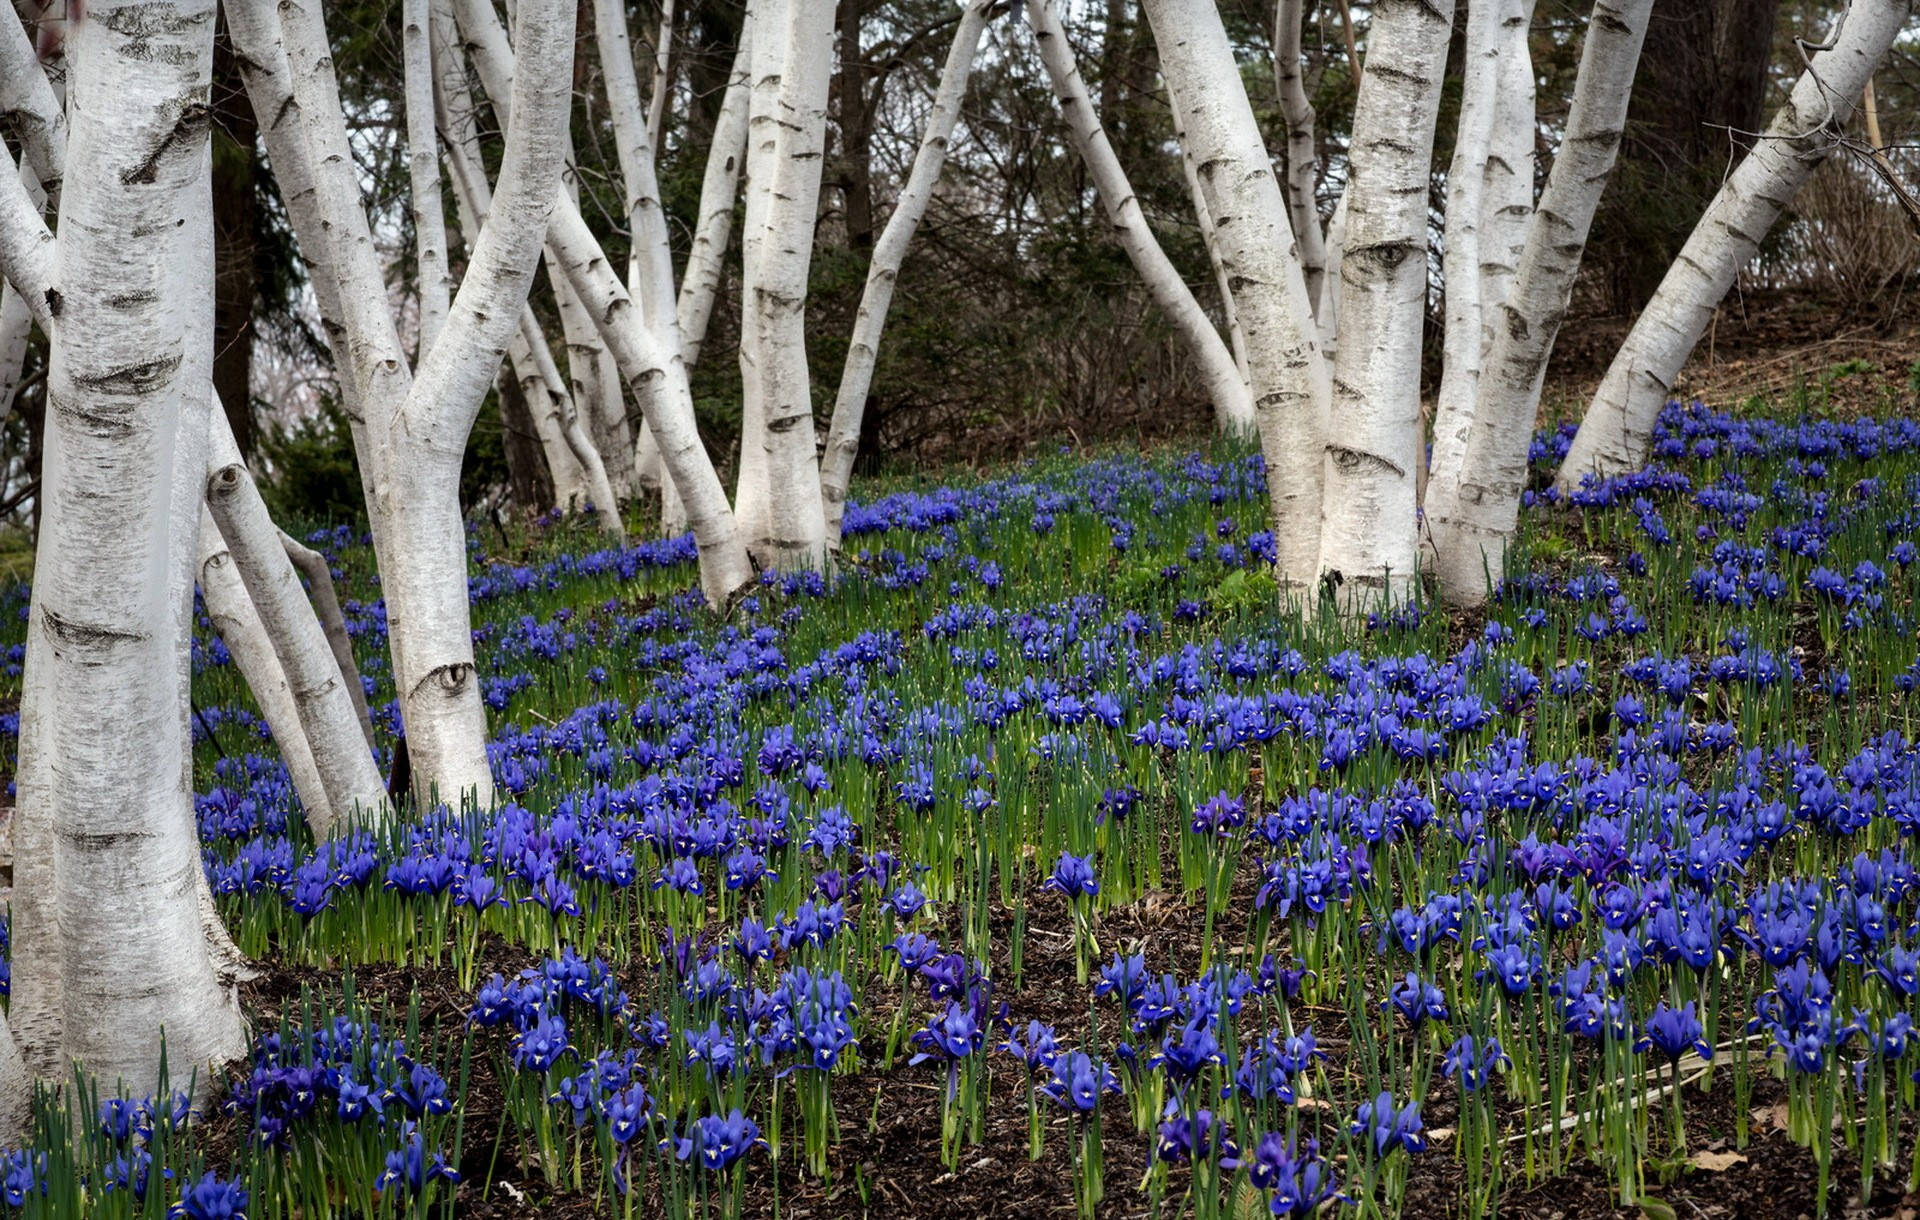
[{"x": 1716, "y": 1162}]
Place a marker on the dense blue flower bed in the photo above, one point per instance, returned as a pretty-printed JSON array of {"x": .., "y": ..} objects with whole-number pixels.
[{"x": 1644, "y": 823}]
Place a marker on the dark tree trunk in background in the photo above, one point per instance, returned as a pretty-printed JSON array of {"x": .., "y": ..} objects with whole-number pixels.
[
  {"x": 528, "y": 479},
  {"x": 235, "y": 241},
  {"x": 1699, "y": 99},
  {"x": 853, "y": 118}
]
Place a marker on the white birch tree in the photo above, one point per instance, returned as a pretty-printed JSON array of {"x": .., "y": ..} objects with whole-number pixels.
[
  {"x": 1290, "y": 383},
  {"x": 1232, "y": 407},
  {"x": 883, "y": 271},
  {"x": 410, "y": 426},
  {"x": 655, "y": 375},
  {"x": 1473, "y": 508},
  {"x": 1303, "y": 154},
  {"x": 1368, "y": 540},
  {"x": 1613, "y": 436},
  {"x": 111, "y": 959}
]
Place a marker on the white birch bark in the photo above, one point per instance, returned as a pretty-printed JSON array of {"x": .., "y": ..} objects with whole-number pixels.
[
  {"x": 1210, "y": 238},
  {"x": 26, "y": 244},
  {"x": 1507, "y": 197},
  {"x": 856, "y": 378},
  {"x": 570, "y": 488},
  {"x": 1472, "y": 509},
  {"x": 656, "y": 378},
  {"x": 1232, "y": 408},
  {"x": 1467, "y": 176},
  {"x": 1302, "y": 152},
  {"x": 415, "y": 428},
  {"x": 1614, "y": 435},
  {"x": 473, "y": 197},
  {"x": 356, "y": 792},
  {"x": 719, "y": 187},
  {"x": 16, "y": 328},
  {"x": 1370, "y": 531},
  {"x": 774, "y": 291},
  {"x": 30, "y": 111},
  {"x": 326, "y": 607},
  {"x": 1291, "y": 386},
  {"x": 725, "y": 569},
  {"x": 650, "y": 261},
  {"x": 110, "y": 954},
  {"x": 231, "y": 611},
  {"x": 662, "y": 70},
  {"x": 566, "y": 417},
  {"x": 768, "y": 56},
  {"x": 1326, "y": 311},
  {"x": 598, "y": 402},
  {"x": 423, "y": 168}
]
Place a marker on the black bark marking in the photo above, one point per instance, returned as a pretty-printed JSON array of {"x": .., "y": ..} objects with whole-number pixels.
[
  {"x": 1352, "y": 459},
  {"x": 187, "y": 132},
  {"x": 449, "y": 680},
  {"x": 142, "y": 378},
  {"x": 85, "y": 635}
]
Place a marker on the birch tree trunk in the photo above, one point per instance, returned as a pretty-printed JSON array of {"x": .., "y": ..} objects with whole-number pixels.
[
  {"x": 570, "y": 487},
  {"x": 1327, "y": 307},
  {"x": 31, "y": 110},
  {"x": 1613, "y": 437},
  {"x": 719, "y": 186},
  {"x": 1291, "y": 388},
  {"x": 1369, "y": 539},
  {"x": 423, "y": 168},
  {"x": 539, "y": 384},
  {"x": 1210, "y": 237},
  {"x": 1472, "y": 509},
  {"x": 356, "y": 792},
  {"x": 231, "y": 611},
  {"x": 774, "y": 292},
  {"x": 413, "y": 425},
  {"x": 566, "y": 417},
  {"x": 1302, "y": 152},
  {"x": 110, "y": 954},
  {"x": 326, "y": 607},
  {"x": 1507, "y": 197},
  {"x": 1467, "y": 176},
  {"x": 657, "y": 379},
  {"x": 1232, "y": 408},
  {"x": 768, "y": 64},
  {"x": 856, "y": 378},
  {"x": 16, "y": 332}
]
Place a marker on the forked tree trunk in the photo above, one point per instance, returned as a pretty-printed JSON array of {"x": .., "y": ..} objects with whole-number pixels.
[
  {"x": 856, "y": 378},
  {"x": 1614, "y": 435},
  {"x": 1472, "y": 509},
  {"x": 1291, "y": 389},
  {"x": 1467, "y": 176},
  {"x": 1232, "y": 408},
  {"x": 1370, "y": 530},
  {"x": 413, "y": 427},
  {"x": 1302, "y": 153},
  {"x": 110, "y": 956}
]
